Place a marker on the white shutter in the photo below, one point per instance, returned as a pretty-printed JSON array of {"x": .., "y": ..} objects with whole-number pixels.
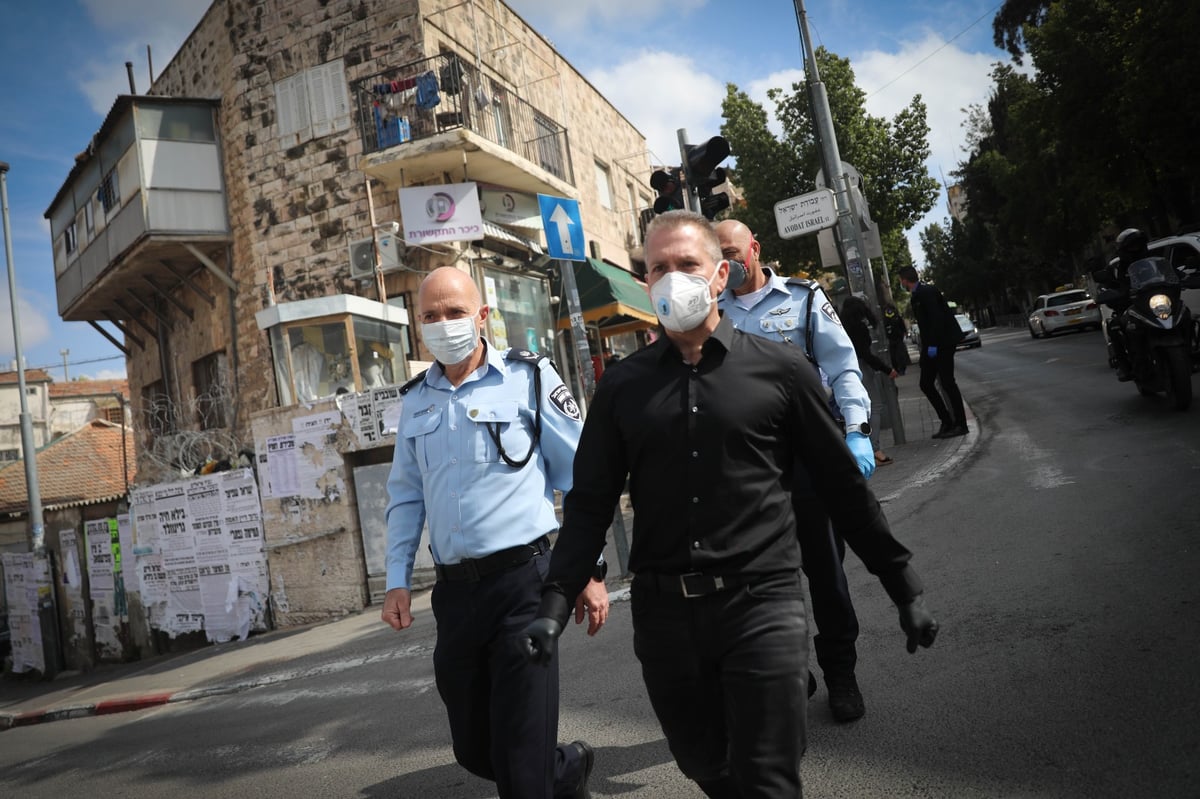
[
  {"x": 339, "y": 94},
  {"x": 291, "y": 108},
  {"x": 329, "y": 98},
  {"x": 318, "y": 100}
]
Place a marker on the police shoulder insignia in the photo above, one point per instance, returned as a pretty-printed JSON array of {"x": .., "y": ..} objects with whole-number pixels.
[
  {"x": 799, "y": 281},
  {"x": 528, "y": 356},
  {"x": 561, "y": 398},
  {"x": 828, "y": 310}
]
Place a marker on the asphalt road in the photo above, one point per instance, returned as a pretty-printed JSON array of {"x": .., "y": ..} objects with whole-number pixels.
[{"x": 1060, "y": 559}]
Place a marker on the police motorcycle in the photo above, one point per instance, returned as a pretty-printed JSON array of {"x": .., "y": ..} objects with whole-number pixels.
[{"x": 1155, "y": 326}]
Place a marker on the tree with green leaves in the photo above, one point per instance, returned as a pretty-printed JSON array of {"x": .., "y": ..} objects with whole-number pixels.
[{"x": 889, "y": 153}]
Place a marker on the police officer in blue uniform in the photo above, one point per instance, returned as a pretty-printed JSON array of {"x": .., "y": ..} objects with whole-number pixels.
[
  {"x": 484, "y": 439},
  {"x": 796, "y": 311}
]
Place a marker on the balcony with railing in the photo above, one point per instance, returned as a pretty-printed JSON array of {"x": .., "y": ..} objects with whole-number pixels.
[{"x": 419, "y": 120}]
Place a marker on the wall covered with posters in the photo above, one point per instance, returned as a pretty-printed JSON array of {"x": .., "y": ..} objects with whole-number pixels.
[{"x": 197, "y": 555}]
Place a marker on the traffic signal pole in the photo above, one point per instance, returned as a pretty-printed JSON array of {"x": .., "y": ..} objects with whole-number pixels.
[
  {"x": 690, "y": 197},
  {"x": 850, "y": 238}
]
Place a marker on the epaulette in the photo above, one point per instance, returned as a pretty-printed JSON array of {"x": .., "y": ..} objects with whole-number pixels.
[
  {"x": 802, "y": 281},
  {"x": 528, "y": 356},
  {"x": 404, "y": 389}
]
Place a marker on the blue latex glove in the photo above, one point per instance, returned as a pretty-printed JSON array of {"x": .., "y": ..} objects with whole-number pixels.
[
  {"x": 863, "y": 452},
  {"x": 931, "y": 352}
]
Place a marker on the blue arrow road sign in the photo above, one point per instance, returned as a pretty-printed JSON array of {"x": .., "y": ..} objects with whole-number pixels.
[{"x": 564, "y": 230}]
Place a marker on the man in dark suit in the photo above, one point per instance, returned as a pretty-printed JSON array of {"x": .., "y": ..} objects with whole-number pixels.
[{"x": 940, "y": 335}]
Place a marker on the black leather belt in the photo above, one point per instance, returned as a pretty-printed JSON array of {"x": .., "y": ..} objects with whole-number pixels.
[
  {"x": 473, "y": 569},
  {"x": 694, "y": 584}
]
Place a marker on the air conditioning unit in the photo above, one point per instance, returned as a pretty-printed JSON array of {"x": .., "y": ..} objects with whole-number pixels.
[
  {"x": 362, "y": 259},
  {"x": 391, "y": 251},
  {"x": 362, "y": 255}
]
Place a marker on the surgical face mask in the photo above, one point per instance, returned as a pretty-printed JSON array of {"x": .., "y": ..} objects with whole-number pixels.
[
  {"x": 451, "y": 341},
  {"x": 682, "y": 300}
]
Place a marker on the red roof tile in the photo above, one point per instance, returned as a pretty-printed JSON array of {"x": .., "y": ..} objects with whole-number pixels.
[
  {"x": 89, "y": 388},
  {"x": 31, "y": 376},
  {"x": 81, "y": 468}
]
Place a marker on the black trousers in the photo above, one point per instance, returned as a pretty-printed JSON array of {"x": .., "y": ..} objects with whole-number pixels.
[
  {"x": 727, "y": 676},
  {"x": 503, "y": 710},
  {"x": 940, "y": 369},
  {"x": 823, "y": 551}
]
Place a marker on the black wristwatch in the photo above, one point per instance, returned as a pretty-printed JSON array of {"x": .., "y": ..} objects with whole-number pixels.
[
  {"x": 864, "y": 428},
  {"x": 601, "y": 570}
]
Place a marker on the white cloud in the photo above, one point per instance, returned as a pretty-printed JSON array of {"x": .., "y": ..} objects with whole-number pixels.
[
  {"x": 575, "y": 16},
  {"x": 35, "y": 327},
  {"x": 126, "y": 27},
  {"x": 107, "y": 374},
  {"x": 948, "y": 79},
  {"x": 660, "y": 92}
]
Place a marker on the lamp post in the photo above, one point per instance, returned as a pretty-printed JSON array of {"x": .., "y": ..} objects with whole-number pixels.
[{"x": 28, "y": 450}]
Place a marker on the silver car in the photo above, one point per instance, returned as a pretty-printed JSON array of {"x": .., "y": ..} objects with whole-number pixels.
[{"x": 1062, "y": 310}]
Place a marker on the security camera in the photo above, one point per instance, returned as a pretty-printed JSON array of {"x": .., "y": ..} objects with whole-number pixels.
[{"x": 388, "y": 227}]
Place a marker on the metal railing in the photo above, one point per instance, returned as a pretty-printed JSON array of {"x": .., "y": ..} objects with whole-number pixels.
[{"x": 428, "y": 97}]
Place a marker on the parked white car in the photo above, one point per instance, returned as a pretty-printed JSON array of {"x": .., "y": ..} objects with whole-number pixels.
[{"x": 1063, "y": 310}]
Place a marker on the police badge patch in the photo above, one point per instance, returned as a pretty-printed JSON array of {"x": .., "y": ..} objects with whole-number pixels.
[
  {"x": 828, "y": 310},
  {"x": 562, "y": 399}
]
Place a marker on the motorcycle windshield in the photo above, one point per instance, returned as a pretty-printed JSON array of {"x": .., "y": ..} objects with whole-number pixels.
[{"x": 1150, "y": 272}]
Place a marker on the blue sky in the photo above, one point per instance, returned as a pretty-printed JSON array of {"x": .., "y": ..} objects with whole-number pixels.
[{"x": 663, "y": 63}]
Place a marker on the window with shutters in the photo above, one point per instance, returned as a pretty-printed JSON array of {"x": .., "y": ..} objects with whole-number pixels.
[{"x": 313, "y": 103}]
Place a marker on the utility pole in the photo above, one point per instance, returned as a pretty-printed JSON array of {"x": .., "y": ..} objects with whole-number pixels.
[
  {"x": 37, "y": 530},
  {"x": 850, "y": 238},
  {"x": 65, "y": 353}
]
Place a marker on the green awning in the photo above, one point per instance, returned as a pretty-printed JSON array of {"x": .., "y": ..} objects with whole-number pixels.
[{"x": 610, "y": 297}]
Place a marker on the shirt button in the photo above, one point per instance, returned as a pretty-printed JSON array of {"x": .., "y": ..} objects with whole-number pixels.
[
  {"x": 453, "y": 427},
  {"x": 694, "y": 370},
  {"x": 454, "y": 529},
  {"x": 695, "y": 500},
  {"x": 453, "y": 396},
  {"x": 454, "y": 460},
  {"x": 695, "y": 408},
  {"x": 695, "y": 545},
  {"x": 695, "y": 454}
]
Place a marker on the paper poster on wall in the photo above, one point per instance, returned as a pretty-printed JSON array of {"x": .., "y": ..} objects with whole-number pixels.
[
  {"x": 69, "y": 548},
  {"x": 100, "y": 556},
  {"x": 22, "y": 579},
  {"x": 283, "y": 472}
]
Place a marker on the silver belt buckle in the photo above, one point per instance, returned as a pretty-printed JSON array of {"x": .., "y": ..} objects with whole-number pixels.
[{"x": 718, "y": 584}]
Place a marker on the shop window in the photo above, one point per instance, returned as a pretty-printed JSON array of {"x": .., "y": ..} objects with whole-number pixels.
[{"x": 519, "y": 314}]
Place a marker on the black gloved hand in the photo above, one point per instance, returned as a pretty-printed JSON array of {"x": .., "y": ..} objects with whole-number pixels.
[
  {"x": 918, "y": 624},
  {"x": 539, "y": 641}
]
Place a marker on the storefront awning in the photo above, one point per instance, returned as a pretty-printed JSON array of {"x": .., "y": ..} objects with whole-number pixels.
[{"x": 610, "y": 297}]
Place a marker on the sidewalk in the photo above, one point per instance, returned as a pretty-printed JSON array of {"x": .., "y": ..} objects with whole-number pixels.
[{"x": 221, "y": 668}]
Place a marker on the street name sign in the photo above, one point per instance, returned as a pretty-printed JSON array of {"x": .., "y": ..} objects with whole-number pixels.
[{"x": 805, "y": 214}]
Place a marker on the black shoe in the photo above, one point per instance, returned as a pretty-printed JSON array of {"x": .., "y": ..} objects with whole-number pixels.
[
  {"x": 957, "y": 430},
  {"x": 1123, "y": 374},
  {"x": 943, "y": 430},
  {"x": 587, "y": 757},
  {"x": 812, "y": 685},
  {"x": 845, "y": 700}
]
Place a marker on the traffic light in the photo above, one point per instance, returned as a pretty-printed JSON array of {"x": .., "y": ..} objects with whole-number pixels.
[
  {"x": 669, "y": 185},
  {"x": 703, "y": 174}
]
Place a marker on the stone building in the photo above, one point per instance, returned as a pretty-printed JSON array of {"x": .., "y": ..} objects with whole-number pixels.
[{"x": 240, "y": 224}]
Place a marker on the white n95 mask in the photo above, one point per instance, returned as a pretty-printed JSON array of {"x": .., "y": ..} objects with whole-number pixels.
[
  {"x": 451, "y": 341},
  {"x": 682, "y": 300}
]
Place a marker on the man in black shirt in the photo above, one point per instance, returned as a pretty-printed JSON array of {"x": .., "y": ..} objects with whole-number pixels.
[{"x": 708, "y": 423}]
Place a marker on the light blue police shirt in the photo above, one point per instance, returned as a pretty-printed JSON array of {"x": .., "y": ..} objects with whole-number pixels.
[
  {"x": 447, "y": 468},
  {"x": 780, "y": 315}
]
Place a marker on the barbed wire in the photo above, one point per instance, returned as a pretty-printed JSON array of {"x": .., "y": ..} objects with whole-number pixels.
[{"x": 169, "y": 451}]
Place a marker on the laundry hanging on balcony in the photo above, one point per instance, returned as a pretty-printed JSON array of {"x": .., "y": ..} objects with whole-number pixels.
[{"x": 427, "y": 91}]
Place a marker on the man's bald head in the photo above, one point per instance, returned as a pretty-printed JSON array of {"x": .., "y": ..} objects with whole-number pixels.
[
  {"x": 738, "y": 244},
  {"x": 449, "y": 281}
]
